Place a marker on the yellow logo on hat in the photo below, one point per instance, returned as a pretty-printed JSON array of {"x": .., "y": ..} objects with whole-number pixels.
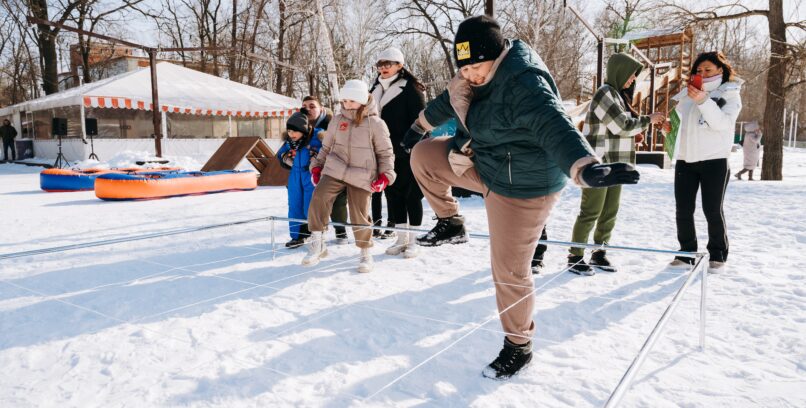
[{"x": 463, "y": 50}]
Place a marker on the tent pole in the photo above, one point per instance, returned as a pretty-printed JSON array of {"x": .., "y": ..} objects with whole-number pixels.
[
  {"x": 83, "y": 124},
  {"x": 155, "y": 101}
]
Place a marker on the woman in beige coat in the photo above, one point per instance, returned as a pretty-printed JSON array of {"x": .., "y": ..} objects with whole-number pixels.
[
  {"x": 751, "y": 147},
  {"x": 356, "y": 156}
]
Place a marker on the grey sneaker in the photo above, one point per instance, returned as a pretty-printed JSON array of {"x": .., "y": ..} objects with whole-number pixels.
[
  {"x": 679, "y": 264},
  {"x": 716, "y": 267}
]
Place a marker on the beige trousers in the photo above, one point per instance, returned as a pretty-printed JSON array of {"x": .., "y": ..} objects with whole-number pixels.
[
  {"x": 325, "y": 194},
  {"x": 515, "y": 225}
]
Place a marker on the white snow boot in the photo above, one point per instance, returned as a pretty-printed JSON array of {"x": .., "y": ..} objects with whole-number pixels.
[
  {"x": 402, "y": 241},
  {"x": 316, "y": 249},
  {"x": 412, "y": 249},
  {"x": 365, "y": 264}
]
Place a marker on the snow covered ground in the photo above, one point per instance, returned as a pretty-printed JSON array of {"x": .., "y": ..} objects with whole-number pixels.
[{"x": 215, "y": 318}]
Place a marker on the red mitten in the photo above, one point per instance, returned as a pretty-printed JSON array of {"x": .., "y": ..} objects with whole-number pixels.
[
  {"x": 316, "y": 175},
  {"x": 639, "y": 138},
  {"x": 379, "y": 184}
]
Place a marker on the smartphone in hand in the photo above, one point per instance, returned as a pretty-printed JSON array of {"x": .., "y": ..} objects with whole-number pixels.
[{"x": 696, "y": 81}]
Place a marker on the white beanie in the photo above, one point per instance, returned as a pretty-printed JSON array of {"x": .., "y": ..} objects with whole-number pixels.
[
  {"x": 392, "y": 54},
  {"x": 355, "y": 90}
]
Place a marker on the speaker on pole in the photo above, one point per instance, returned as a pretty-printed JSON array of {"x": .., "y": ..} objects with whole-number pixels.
[
  {"x": 59, "y": 129},
  {"x": 91, "y": 127}
]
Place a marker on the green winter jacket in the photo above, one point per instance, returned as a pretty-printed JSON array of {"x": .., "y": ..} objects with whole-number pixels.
[{"x": 514, "y": 127}]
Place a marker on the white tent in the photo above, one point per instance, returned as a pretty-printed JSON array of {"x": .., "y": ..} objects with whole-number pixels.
[
  {"x": 183, "y": 93},
  {"x": 181, "y": 90}
]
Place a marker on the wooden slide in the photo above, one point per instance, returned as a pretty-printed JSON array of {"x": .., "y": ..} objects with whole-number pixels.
[{"x": 254, "y": 149}]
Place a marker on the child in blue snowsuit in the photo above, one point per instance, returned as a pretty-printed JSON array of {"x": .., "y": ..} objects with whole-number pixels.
[{"x": 302, "y": 143}]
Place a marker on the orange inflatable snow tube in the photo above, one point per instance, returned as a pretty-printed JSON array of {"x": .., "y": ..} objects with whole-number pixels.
[{"x": 147, "y": 186}]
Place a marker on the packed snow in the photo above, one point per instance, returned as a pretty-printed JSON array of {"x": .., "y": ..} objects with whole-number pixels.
[{"x": 220, "y": 318}]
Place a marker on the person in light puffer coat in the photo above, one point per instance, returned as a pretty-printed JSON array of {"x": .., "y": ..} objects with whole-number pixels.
[
  {"x": 356, "y": 156},
  {"x": 707, "y": 119}
]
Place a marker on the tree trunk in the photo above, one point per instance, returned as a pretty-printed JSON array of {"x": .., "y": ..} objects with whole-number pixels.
[
  {"x": 329, "y": 56},
  {"x": 773, "y": 162},
  {"x": 280, "y": 45},
  {"x": 233, "y": 75},
  {"x": 46, "y": 40}
]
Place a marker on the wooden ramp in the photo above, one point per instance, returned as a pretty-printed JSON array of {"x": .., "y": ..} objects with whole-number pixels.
[{"x": 254, "y": 149}]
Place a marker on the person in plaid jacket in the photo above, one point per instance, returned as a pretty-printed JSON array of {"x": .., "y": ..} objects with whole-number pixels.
[{"x": 612, "y": 128}]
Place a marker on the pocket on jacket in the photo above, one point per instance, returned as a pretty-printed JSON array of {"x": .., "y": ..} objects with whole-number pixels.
[{"x": 459, "y": 162}]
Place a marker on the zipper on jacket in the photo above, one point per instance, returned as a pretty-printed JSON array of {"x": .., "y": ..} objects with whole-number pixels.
[
  {"x": 349, "y": 143},
  {"x": 498, "y": 171},
  {"x": 509, "y": 166}
]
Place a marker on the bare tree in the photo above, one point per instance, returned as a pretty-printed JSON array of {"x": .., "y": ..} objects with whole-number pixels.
[{"x": 435, "y": 20}]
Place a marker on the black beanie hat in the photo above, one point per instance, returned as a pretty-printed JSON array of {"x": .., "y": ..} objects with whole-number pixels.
[
  {"x": 478, "y": 39},
  {"x": 298, "y": 121}
]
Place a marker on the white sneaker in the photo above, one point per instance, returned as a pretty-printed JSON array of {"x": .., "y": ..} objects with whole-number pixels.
[
  {"x": 400, "y": 245},
  {"x": 716, "y": 267},
  {"x": 365, "y": 264},
  {"x": 678, "y": 264},
  {"x": 316, "y": 249},
  {"x": 412, "y": 249}
]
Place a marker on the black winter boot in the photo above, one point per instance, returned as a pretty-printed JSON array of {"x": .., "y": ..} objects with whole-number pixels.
[
  {"x": 389, "y": 233},
  {"x": 537, "y": 266},
  {"x": 512, "y": 358},
  {"x": 449, "y": 230},
  {"x": 577, "y": 265},
  {"x": 295, "y": 243},
  {"x": 377, "y": 233},
  {"x": 599, "y": 261}
]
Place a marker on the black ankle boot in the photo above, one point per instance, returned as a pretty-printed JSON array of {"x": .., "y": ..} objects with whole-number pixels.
[
  {"x": 577, "y": 265},
  {"x": 599, "y": 261},
  {"x": 389, "y": 233},
  {"x": 512, "y": 358},
  {"x": 449, "y": 230}
]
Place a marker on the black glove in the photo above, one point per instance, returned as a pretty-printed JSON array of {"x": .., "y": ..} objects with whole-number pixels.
[
  {"x": 610, "y": 174},
  {"x": 412, "y": 136}
]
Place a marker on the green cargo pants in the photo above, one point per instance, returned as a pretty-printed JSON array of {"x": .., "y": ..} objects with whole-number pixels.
[{"x": 599, "y": 207}]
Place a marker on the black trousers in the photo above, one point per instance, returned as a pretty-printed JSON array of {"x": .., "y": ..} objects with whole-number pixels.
[
  {"x": 712, "y": 176},
  {"x": 9, "y": 145},
  {"x": 404, "y": 199},
  {"x": 541, "y": 248},
  {"x": 377, "y": 208},
  {"x": 339, "y": 212}
]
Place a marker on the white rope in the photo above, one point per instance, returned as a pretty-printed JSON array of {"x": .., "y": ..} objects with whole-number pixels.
[{"x": 477, "y": 327}]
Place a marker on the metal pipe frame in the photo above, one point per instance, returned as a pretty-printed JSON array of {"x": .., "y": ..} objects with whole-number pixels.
[
  {"x": 626, "y": 381},
  {"x": 681, "y": 254}
]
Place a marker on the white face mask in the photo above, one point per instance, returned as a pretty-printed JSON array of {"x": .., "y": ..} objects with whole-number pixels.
[{"x": 711, "y": 83}]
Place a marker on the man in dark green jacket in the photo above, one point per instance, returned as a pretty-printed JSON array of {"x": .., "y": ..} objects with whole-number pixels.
[
  {"x": 8, "y": 134},
  {"x": 516, "y": 145}
]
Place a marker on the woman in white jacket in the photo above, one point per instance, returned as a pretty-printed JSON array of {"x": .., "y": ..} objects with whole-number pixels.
[{"x": 705, "y": 137}]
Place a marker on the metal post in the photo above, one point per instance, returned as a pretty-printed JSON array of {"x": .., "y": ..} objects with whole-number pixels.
[
  {"x": 156, "y": 116},
  {"x": 599, "y": 63},
  {"x": 273, "y": 253},
  {"x": 792, "y": 128},
  {"x": 626, "y": 380},
  {"x": 704, "y": 290},
  {"x": 651, "y": 136}
]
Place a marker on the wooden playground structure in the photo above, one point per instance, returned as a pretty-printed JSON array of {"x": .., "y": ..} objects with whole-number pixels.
[
  {"x": 667, "y": 56},
  {"x": 257, "y": 152}
]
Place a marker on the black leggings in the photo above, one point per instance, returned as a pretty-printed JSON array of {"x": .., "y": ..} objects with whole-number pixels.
[
  {"x": 405, "y": 200},
  {"x": 712, "y": 176}
]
